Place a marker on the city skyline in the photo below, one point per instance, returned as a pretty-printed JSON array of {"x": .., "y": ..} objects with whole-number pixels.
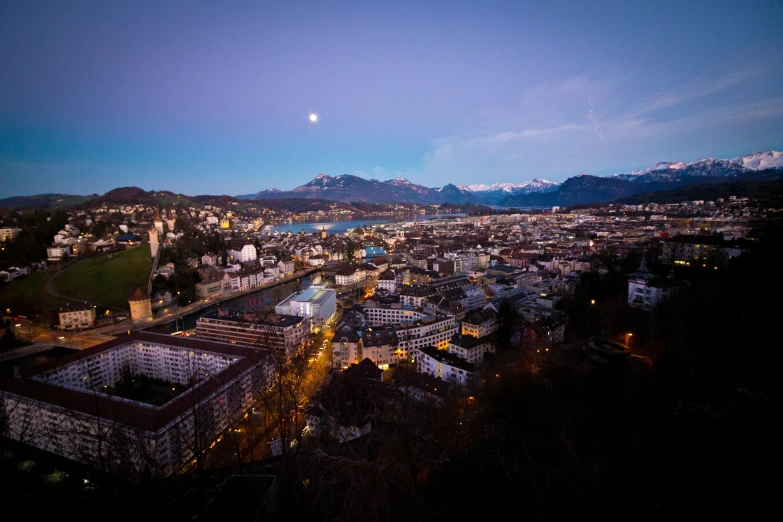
[{"x": 213, "y": 99}]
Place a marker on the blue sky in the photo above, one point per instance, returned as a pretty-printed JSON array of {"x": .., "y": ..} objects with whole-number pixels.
[{"x": 201, "y": 97}]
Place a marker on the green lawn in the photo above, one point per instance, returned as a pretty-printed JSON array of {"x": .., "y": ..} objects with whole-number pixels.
[
  {"x": 107, "y": 281},
  {"x": 26, "y": 295}
]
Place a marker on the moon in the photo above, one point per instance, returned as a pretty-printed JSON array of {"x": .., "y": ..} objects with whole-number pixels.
[{"x": 313, "y": 117}]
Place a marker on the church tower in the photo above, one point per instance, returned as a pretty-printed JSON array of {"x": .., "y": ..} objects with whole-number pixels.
[{"x": 323, "y": 232}]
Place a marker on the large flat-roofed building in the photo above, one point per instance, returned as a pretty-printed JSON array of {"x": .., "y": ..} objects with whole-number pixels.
[
  {"x": 77, "y": 408},
  {"x": 208, "y": 288},
  {"x": 317, "y": 302},
  {"x": 285, "y": 334}
]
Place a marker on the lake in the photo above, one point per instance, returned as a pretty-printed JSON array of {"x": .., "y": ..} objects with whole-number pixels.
[{"x": 340, "y": 227}]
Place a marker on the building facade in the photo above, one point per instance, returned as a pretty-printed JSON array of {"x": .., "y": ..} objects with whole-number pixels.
[{"x": 71, "y": 411}]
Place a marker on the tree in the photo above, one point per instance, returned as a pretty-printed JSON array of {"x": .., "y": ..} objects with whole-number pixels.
[{"x": 8, "y": 340}]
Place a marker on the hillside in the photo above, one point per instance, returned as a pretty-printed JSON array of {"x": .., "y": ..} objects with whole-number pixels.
[
  {"x": 106, "y": 280},
  {"x": 761, "y": 190},
  {"x": 594, "y": 189}
]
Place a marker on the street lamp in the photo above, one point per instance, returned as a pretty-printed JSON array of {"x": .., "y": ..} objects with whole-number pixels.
[
  {"x": 592, "y": 301},
  {"x": 627, "y": 336}
]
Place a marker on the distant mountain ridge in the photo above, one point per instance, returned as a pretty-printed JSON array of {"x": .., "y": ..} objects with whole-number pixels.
[
  {"x": 759, "y": 166},
  {"x": 664, "y": 175},
  {"x": 348, "y": 188}
]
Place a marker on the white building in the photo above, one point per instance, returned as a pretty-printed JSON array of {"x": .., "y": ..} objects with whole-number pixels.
[
  {"x": 350, "y": 274},
  {"x": 317, "y": 302},
  {"x": 56, "y": 253},
  {"x": 646, "y": 290},
  {"x": 470, "y": 348},
  {"x": 387, "y": 281},
  {"x": 77, "y": 319},
  {"x": 381, "y": 314},
  {"x": 242, "y": 251},
  {"x": 9, "y": 234},
  {"x": 445, "y": 365}
]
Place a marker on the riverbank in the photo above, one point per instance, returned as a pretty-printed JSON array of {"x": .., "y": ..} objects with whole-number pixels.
[{"x": 211, "y": 301}]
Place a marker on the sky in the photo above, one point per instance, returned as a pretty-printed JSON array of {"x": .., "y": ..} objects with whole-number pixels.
[{"x": 204, "y": 97}]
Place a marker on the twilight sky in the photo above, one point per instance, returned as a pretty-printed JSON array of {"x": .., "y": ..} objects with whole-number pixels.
[{"x": 206, "y": 98}]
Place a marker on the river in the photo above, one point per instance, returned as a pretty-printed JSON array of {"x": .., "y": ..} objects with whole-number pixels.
[
  {"x": 340, "y": 227},
  {"x": 260, "y": 299}
]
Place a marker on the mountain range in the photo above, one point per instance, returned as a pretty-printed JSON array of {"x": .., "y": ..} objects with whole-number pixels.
[
  {"x": 539, "y": 192},
  {"x": 347, "y": 188},
  {"x": 584, "y": 188}
]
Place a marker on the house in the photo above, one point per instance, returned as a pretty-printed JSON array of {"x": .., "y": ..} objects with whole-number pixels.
[
  {"x": 8, "y": 234},
  {"x": 346, "y": 347},
  {"x": 445, "y": 365},
  {"x": 470, "y": 348},
  {"x": 480, "y": 324},
  {"x": 646, "y": 290},
  {"x": 546, "y": 331},
  {"x": 77, "y": 318},
  {"x": 208, "y": 288},
  {"x": 242, "y": 250},
  {"x": 387, "y": 281},
  {"x": 209, "y": 259},
  {"x": 350, "y": 274},
  {"x": 286, "y": 266}
]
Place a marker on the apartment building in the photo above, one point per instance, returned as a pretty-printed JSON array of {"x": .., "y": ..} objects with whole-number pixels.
[
  {"x": 283, "y": 334},
  {"x": 445, "y": 365}
]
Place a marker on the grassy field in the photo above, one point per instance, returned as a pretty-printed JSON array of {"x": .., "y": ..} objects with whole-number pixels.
[
  {"x": 26, "y": 295},
  {"x": 107, "y": 281}
]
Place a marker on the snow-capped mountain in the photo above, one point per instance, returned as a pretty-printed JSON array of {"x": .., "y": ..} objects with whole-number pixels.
[
  {"x": 761, "y": 160},
  {"x": 664, "y": 175},
  {"x": 673, "y": 171},
  {"x": 534, "y": 185}
]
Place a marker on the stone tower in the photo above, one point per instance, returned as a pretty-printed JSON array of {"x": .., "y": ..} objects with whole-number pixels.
[
  {"x": 170, "y": 221},
  {"x": 140, "y": 306},
  {"x": 323, "y": 232},
  {"x": 154, "y": 241},
  {"x": 158, "y": 221}
]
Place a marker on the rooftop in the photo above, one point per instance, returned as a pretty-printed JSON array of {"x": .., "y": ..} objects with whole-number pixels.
[
  {"x": 445, "y": 357},
  {"x": 129, "y": 413}
]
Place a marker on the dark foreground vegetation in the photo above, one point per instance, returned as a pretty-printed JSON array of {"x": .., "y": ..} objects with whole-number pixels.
[{"x": 686, "y": 430}]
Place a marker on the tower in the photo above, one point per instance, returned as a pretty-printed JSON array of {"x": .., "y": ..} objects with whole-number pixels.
[
  {"x": 170, "y": 221},
  {"x": 323, "y": 232},
  {"x": 154, "y": 241},
  {"x": 140, "y": 306},
  {"x": 158, "y": 221}
]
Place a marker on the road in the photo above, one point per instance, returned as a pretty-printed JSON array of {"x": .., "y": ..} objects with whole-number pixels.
[{"x": 251, "y": 435}]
